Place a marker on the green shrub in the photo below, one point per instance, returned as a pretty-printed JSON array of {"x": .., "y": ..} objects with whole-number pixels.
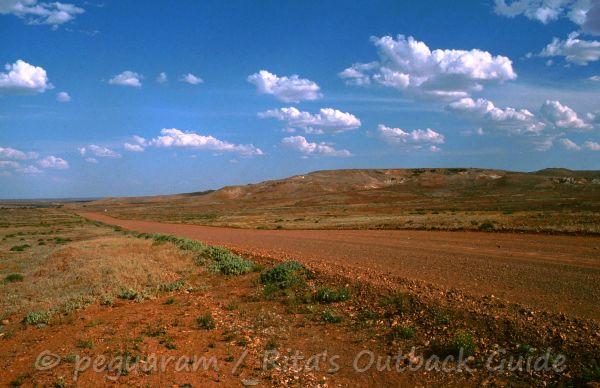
[
  {"x": 127, "y": 294},
  {"x": 20, "y": 248},
  {"x": 205, "y": 322},
  {"x": 217, "y": 253},
  {"x": 107, "y": 300},
  {"x": 462, "y": 340},
  {"x": 396, "y": 304},
  {"x": 366, "y": 317},
  {"x": 19, "y": 380},
  {"x": 486, "y": 226},
  {"x": 231, "y": 265},
  {"x": 181, "y": 243},
  {"x": 330, "y": 317},
  {"x": 13, "y": 277},
  {"x": 329, "y": 295},
  {"x": 174, "y": 286},
  {"x": 403, "y": 332},
  {"x": 81, "y": 344},
  {"x": 156, "y": 330},
  {"x": 70, "y": 358},
  {"x": 60, "y": 240},
  {"x": 190, "y": 245},
  {"x": 284, "y": 275},
  {"x": 38, "y": 317}
]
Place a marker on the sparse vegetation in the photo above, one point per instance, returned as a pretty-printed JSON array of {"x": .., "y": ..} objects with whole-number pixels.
[
  {"x": 461, "y": 341},
  {"x": 61, "y": 240},
  {"x": 396, "y": 304},
  {"x": 102, "y": 266},
  {"x": 84, "y": 344},
  {"x": 330, "y": 295},
  {"x": 230, "y": 264},
  {"x": 174, "y": 286},
  {"x": 35, "y": 318},
  {"x": 205, "y": 322},
  {"x": 567, "y": 198},
  {"x": 127, "y": 294},
  {"x": 330, "y": 316},
  {"x": 20, "y": 248},
  {"x": 486, "y": 226},
  {"x": 284, "y": 275},
  {"x": 13, "y": 278},
  {"x": 19, "y": 380},
  {"x": 402, "y": 332}
]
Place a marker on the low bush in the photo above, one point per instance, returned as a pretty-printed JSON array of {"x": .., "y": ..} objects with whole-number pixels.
[
  {"x": 329, "y": 295},
  {"x": 20, "y": 248},
  {"x": 486, "y": 226},
  {"x": 330, "y": 317},
  {"x": 174, "y": 286},
  {"x": 127, "y": 294},
  {"x": 205, "y": 322},
  {"x": 81, "y": 344},
  {"x": 13, "y": 278},
  {"x": 402, "y": 332},
  {"x": 231, "y": 265},
  {"x": 284, "y": 275},
  {"x": 461, "y": 340},
  {"x": 38, "y": 317}
]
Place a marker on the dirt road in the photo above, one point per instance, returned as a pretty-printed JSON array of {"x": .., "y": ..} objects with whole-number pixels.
[{"x": 557, "y": 273}]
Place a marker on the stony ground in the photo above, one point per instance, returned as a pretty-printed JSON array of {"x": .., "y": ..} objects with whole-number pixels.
[
  {"x": 556, "y": 273},
  {"x": 302, "y": 336}
]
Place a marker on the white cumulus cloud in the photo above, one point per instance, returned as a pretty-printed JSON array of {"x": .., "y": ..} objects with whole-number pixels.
[
  {"x": 591, "y": 145},
  {"x": 585, "y": 13},
  {"x": 328, "y": 119},
  {"x": 9, "y": 164},
  {"x": 570, "y": 145},
  {"x": 409, "y": 65},
  {"x": 562, "y": 116},
  {"x": 286, "y": 89},
  {"x": 300, "y": 144},
  {"x": 31, "y": 170},
  {"x": 22, "y": 78},
  {"x": 48, "y": 162},
  {"x": 191, "y": 79},
  {"x": 127, "y": 78},
  {"x": 551, "y": 118},
  {"x": 176, "y": 138},
  {"x": 162, "y": 78},
  {"x": 63, "y": 97},
  {"x": 53, "y": 162},
  {"x": 133, "y": 147},
  {"x": 99, "y": 151},
  {"x": 416, "y": 138},
  {"x": 540, "y": 10},
  {"x": 34, "y": 12},
  {"x": 575, "y": 50},
  {"x": 12, "y": 153},
  {"x": 486, "y": 114}
]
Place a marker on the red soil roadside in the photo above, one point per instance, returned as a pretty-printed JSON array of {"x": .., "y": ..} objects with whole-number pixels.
[{"x": 555, "y": 273}]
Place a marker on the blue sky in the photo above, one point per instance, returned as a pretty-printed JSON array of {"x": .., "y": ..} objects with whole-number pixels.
[{"x": 267, "y": 89}]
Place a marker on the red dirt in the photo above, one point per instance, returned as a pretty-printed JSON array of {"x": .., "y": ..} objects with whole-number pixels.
[{"x": 554, "y": 273}]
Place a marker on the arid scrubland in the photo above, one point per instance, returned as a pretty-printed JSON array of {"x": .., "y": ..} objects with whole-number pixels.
[{"x": 81, "y": 290}]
